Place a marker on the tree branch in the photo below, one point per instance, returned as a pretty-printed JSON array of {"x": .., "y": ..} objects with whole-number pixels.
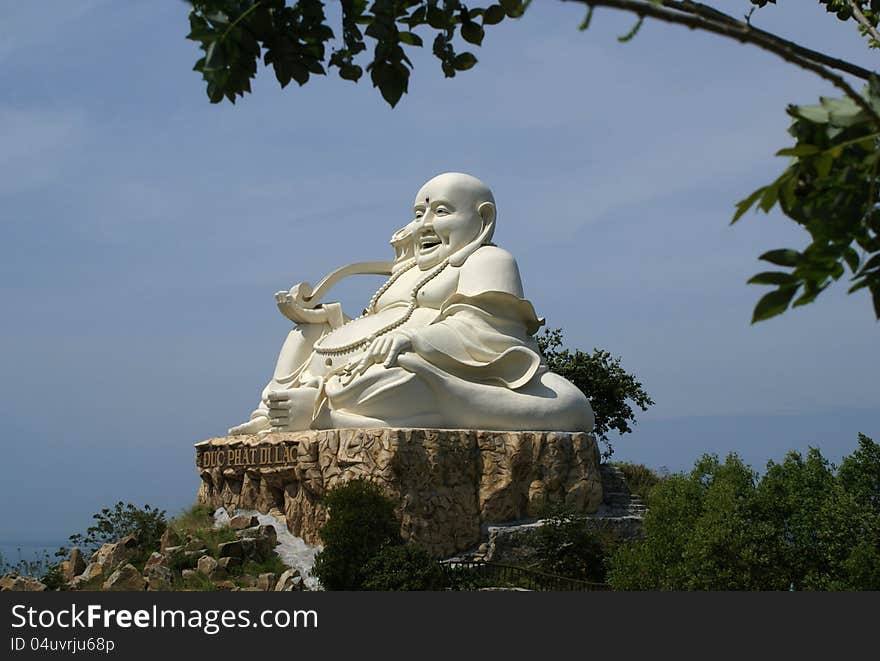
[
  {"x": 698, "y": 16},
  {"x": 860, "y": 17}
]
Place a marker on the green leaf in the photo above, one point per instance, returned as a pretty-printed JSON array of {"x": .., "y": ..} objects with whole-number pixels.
[
  {"x": 314, "y": 66},
  {"x": 203, "y": 34},
  {"x": 436, "y": 18},
  {"x": 410, "y": 38},
  {"x": 808, "y": 296},
  {"x": 773, "y": 303},
  {"x": 872, "y": 263},
  {"x": 493, "y": 15},
  {"x": 378, "y": 31},
  {"x": 842, "y": 112},
  {"x": 852, "y": 258},
  {"x": 218, "y": 17},
  {"x": 823, "y": 163},
  {"x": 772, "y": 278},
  {"x": 513, "y": 8},
  {"x": 744, "y": 205},
  {"x": 214, "y": 57},
  {"x": 859, "y": 285},
  {"x": 464, "y": 61},
  {"x": 391, "y": 80},
  {"x": 875, "y": 298},
  {"x": 782, "y": 257},
  {"x": 472, "y": 32},
  {"x": 769, "y": 198},
  {"x": 815, "y": 114},
  {"x": 799, "y": 150},
  {"x": 350, "y": 72}
]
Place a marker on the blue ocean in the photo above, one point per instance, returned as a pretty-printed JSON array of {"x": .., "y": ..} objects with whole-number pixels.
[{"x": 12, "y": 552}]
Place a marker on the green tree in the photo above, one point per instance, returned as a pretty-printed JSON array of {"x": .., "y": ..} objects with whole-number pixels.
[
  {"x": 361, "y": 523},
  {"x": 803, "y": 524},
  {"x": 829, "y": 188},
  {"x": 603, "y": 380}
]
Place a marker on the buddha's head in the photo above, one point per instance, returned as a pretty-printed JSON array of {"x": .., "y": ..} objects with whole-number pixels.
[{"x": 455, "y": 215}]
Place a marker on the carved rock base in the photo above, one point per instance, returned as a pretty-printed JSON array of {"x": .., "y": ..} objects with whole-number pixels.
[{"x": 447, "y": 483}]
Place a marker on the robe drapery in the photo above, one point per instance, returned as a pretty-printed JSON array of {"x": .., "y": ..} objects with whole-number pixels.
[{"x": 476, "y": 366}]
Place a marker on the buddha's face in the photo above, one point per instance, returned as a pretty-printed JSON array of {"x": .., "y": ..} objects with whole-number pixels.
[{"x": 449, "y": 215}]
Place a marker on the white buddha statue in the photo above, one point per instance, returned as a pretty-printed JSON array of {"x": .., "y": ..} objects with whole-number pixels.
[{"x": 446, "y": 342}]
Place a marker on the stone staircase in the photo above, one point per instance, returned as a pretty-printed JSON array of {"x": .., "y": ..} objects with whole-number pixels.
[
  {"x": 621, "y": 514},
  {"x": 617, "y": 501}
]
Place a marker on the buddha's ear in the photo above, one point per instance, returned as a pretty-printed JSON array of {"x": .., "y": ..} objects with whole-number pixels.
[{"x": 487, "y": 213}]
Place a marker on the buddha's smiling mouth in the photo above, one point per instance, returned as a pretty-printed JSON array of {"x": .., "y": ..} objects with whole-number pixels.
[{"x": 428, "y": 242}]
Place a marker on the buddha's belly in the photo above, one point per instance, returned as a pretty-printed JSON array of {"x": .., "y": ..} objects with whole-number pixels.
[{"x": 347, "y": 343}]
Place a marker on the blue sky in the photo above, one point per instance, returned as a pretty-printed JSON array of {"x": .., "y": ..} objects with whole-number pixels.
[{"x": 143, "y": 232}]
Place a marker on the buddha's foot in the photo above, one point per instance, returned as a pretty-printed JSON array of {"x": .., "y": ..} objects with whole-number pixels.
[{"x": 255, "y": 425}]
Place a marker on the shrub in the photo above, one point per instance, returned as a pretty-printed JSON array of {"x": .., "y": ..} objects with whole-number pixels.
[
  {"x": 194, "y": 519},
  {"x": 403, "y": 567},
  {"x": 146, "y": 524},
  {"x": 54, "y": 578},
  {"x": 566, "y": 546},
  {"x": 197, "y": 522},
  {"x": 361, "y": 522}
]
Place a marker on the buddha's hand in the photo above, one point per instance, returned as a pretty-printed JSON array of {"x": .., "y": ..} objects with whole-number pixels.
[
  {"x": 385, "y": 350},
  {"x": 291, "y": 305}
]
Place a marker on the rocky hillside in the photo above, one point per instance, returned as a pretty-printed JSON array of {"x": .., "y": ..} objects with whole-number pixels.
[{"x": 192, "y": 554}]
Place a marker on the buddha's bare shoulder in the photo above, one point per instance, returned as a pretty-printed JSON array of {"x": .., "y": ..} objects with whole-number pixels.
[{"x": 490, "y": 268}]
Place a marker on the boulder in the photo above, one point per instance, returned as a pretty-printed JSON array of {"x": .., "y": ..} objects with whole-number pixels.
[
  {"x": 12, "y": 582},
  {"x": 156, "y": 559},
  {"x": 289, "y": 581},
  {"x": 259, "y": 542},
  {"x": 113, "y": 554},
  {"x": 206, "y": 565},
  {"x": 193, "y": 544},
  {"x": 229, "y": 563},
  {"x": 74, "y": 565},
  {"x": 90, "y": 573},
  {"x": 169, "y": 538},
  {"x": 266, "y": 582},
  {"x": 242, "y": 521},
  {"x": 125, "y": 579},
  {"x": 230, "y": 550},
  {"x": 159, "y": 577}
]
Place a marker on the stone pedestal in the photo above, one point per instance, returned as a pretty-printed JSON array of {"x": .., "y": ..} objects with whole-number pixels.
[{"x": 447, "y": 483}]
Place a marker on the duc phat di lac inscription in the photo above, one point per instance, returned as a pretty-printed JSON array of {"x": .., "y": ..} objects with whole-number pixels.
[{"x": 250, "y": 456}]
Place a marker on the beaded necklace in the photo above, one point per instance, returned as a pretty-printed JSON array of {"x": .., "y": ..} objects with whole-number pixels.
[{"x": 371, "y": 309}]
